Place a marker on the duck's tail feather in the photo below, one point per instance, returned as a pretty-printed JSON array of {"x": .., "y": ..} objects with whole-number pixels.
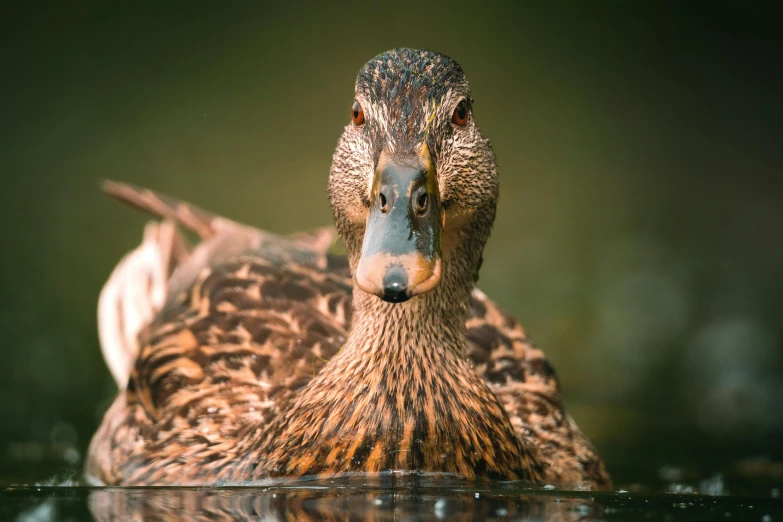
[
  {"x": 135, "y": 291},
  {"x": 190, "y": 217}
]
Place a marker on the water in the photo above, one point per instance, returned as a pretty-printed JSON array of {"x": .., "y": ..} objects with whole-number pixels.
[{"x": 384, "y": 500}]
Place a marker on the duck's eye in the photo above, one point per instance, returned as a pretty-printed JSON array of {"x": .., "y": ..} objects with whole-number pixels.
[
  {"x": 357, "y": 113},
  {"x": 460, "y": 116}
]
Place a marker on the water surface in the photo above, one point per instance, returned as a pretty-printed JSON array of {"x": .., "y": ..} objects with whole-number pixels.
[{"x": 382, "y": 500}]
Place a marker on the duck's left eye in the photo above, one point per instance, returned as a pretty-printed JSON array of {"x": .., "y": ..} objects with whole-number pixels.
[
  {"x": 357, "y": 113},
  {"x": 460, "y": 116}
]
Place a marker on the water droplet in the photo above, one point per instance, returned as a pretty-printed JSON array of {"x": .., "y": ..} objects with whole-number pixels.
[
  {"x": 440, "y": 508},
  {"x": 71, "y": 455}
]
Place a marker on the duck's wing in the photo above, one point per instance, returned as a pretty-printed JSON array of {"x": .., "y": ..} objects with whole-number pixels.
[
  {"x": 220, "y": 238},
  {"x": 528, "y": 387},
  {"x": 247, "y": 318}
]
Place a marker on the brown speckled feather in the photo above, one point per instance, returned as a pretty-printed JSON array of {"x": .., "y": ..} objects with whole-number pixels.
[{"x": 225, "y": 356}]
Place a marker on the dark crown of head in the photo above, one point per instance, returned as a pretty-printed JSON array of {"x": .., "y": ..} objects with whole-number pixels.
[
  {"x": 408, "y": 83},
  {"x": 401, "y": 72}
]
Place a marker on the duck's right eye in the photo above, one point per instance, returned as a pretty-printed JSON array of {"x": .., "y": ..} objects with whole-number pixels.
[
  {"x": 460, "y": 116},
  {"x": 357, "y": 113}
]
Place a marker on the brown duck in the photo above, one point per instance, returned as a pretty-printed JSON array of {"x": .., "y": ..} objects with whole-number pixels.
[{"x": 255, "y": 356}]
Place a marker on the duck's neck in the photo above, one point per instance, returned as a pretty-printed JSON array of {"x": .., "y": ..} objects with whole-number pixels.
[{"x": 423, "y": 329}]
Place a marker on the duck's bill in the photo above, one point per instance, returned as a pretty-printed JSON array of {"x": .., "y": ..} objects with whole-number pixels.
[{"x": 401, "y": 255}]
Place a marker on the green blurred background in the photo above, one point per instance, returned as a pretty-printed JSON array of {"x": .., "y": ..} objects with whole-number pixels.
[{"x": 639, "y": 236}]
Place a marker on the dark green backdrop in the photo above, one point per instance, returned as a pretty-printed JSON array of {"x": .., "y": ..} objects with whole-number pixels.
[{"x": 639, "y": 229}]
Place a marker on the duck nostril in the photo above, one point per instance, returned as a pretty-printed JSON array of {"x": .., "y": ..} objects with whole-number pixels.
[
  {"x": 382, "y": 199},
  {"x": 421, "y": 203}
]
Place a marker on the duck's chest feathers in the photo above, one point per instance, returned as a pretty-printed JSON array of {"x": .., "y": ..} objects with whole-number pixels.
[{"x": 408, "y": 411}]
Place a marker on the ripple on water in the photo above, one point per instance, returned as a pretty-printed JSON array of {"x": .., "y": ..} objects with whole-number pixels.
[{"x": 379, "y": 498}]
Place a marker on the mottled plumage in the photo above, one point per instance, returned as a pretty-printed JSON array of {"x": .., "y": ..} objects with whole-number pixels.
[{"x": 266, "y": 360}]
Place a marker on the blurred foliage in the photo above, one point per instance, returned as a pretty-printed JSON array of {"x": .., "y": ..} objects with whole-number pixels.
[{"x": 639, "y": 229}]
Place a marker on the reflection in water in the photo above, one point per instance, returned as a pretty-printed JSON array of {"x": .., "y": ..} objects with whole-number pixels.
[
  {"x": 332, "y": 500},
  {"x": 318, "y": 501}
]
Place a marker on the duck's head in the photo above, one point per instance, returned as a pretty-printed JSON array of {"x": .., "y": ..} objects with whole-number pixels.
[{"x": 413, "y": 184}]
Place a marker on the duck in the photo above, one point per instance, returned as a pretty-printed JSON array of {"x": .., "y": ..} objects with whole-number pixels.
[{"x": 361, "y": 349}]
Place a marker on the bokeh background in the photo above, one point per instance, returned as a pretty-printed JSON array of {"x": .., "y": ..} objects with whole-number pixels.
[{"x": 640, "y": 229}]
